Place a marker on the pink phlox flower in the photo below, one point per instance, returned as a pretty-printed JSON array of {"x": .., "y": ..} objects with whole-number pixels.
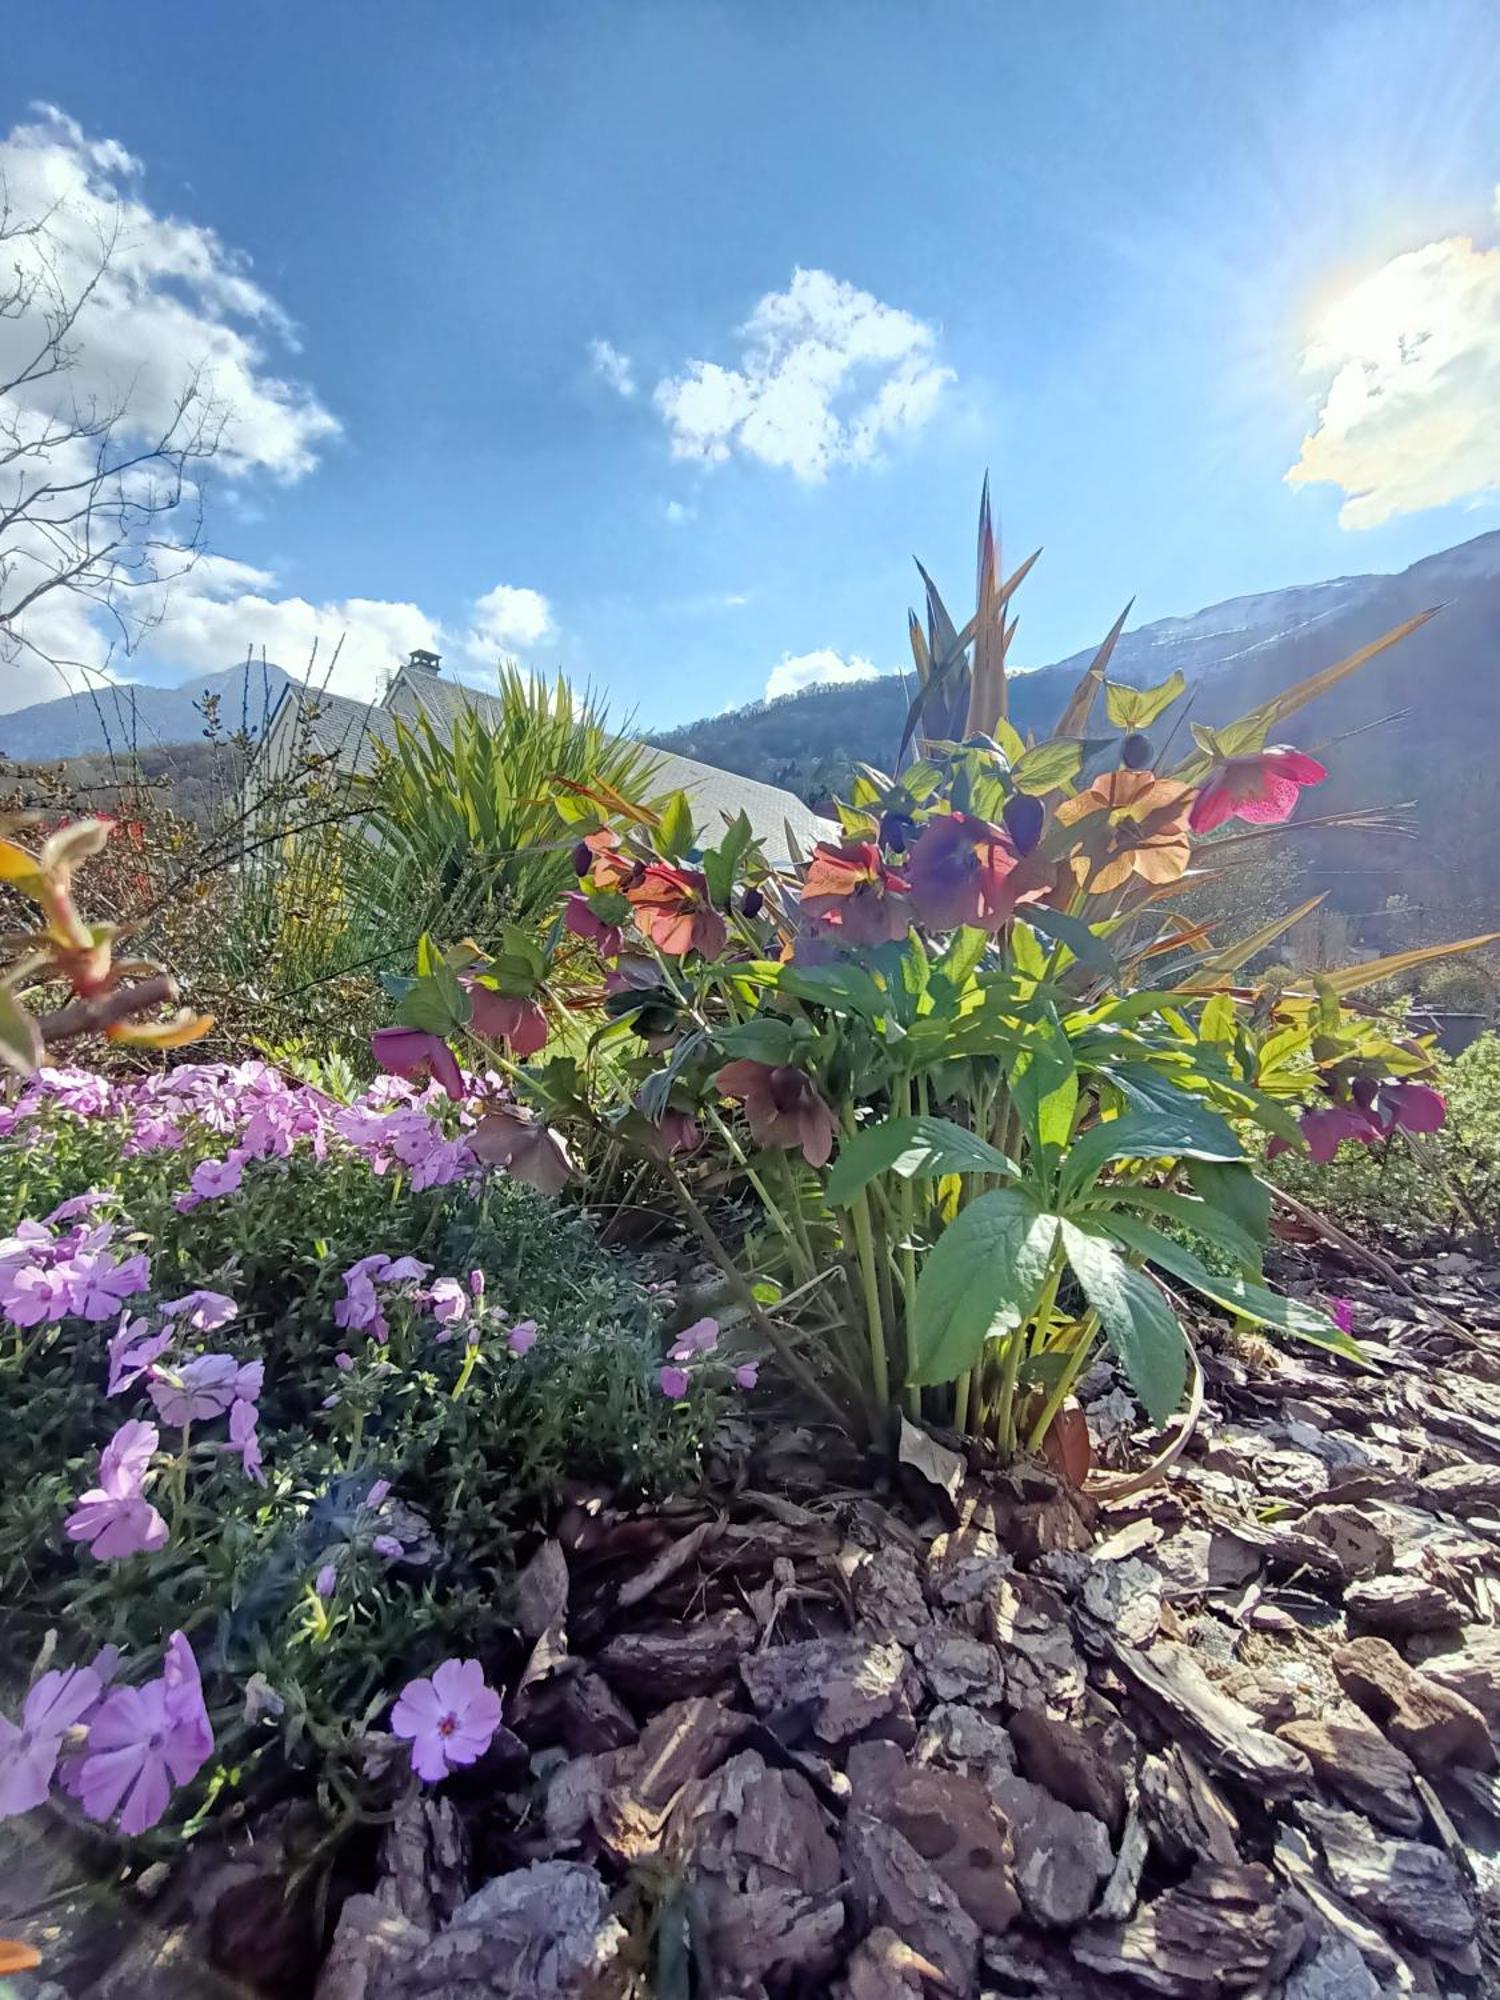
[
  {"x": 211, "y": 1179},
  {"x": 204, "y": 1311},
  {"x": 379, "y": 1493},
  {"x": 97, "y": 1285},
  {"x": 674, "y": 1383},
  {"x": 1341, "y": 1312},
  {"x": 448, "y": 1301},
  {"x": 80, "y": 1205},
  {"x": 522, "y": 1336},
  {"x": 145, "y": 1740},
  {"x": 388, "y": 1546},
  {"x": 244, "y": 1438},
  {"x": 114, "y": 1517},
  {"x": 403, "y": 1270},
  {"x": 34, "y": 1293},
  {"x": 747, "y": 1374},
  {"x": 476, "y": 1284},
  {"x": 449, "y": 1720},
  {"x": 58, "y": 1703},
  {"x": 343, "y": 1362},
  {"x": 154, "y": 1135},
  {"x": 196, "y": 1391},
  {"x": 132, "y": 1350},
  {"x": 702, "y": 1337}
]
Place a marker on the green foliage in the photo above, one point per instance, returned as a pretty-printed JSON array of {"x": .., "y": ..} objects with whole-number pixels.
[{"x": 466, "y": 830}]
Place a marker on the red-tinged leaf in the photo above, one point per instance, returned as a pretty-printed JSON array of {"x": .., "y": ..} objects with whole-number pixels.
[{"x": 1067, "y": 1445}]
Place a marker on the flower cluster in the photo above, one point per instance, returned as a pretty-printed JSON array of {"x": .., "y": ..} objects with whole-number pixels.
[
  {"x": 46, "y": 1276},
  {"x": 127, "y": 1747}
]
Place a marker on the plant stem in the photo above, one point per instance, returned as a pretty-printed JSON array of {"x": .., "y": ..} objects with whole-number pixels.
[
  {"x": 771, "y": 1208},
  {"x": 874, "y": 1321},
  {"x": 1088, "y": 1326},
  {"x": 1005, "y": 1418},
  {"x": 961, "y": 1394}
]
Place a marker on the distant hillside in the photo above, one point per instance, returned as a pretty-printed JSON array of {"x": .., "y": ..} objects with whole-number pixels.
[
  {"x": 1442, "y": 685},
  {"x": 119, "y": 720}
]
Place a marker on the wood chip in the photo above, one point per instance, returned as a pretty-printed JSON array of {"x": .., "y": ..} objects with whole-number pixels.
[{"x": 1224, "y": 1732}]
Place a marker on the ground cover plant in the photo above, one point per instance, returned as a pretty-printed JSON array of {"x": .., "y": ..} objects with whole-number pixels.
[
  {"x": 282, "y": 1380},
  {"x": 991, "y": 1097}
]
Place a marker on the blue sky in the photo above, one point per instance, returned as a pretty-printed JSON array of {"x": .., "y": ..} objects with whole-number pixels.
[{"x": 1099, "y": 246}]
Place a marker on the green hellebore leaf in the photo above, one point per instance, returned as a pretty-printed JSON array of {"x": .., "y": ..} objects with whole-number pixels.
[
  {"x": 1138, "y": 708},
  {"x": 1048, "y": 766},
  {"x": 1138, "y": 1323},
  {"x": 721, "y": 863},
  {"x": 764, "y": 1039},
  {"x": 674, "y": 831},
  {"x": 981, "y": 1277},
  {"x": 1236, "y": 1191},
  {"x": 1235, "y": 1294},
  {"x": 916, "y": 1149}
]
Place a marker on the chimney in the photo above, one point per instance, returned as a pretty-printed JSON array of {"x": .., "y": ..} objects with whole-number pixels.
[{"x": 419, "y": 660}]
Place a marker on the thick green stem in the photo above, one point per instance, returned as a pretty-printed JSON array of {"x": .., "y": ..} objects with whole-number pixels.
[
  {"x": 1005, "y": 1415},
  {"x": 961, "y": 1393},
  {"x": 864, "y": 1243},
  {"x": 1077, "y": 1361},
  {"x": 804, "y": 1269}
]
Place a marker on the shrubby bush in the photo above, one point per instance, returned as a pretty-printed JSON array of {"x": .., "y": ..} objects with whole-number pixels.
[{"x": 370, "y": 1424}]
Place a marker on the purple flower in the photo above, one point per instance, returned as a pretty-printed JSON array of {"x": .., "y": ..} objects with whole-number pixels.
[
  {"x": 389, "y": 1547},
  {"x": 244, "y": 1419},
  {"x": 522, "y": 1336},
  {"x": 448, "y": 1720},
  {"x": 204, "y": 1311},
  {"x": 476, "y": 1284},
  {"x": 747, "y": 1374},
  {"x": 399, "y": 1270},
  {"x": 1342, "y": 1313},
  {"x": 702, "y": 1337},
  {"x": 33, "y": 1294},
  {"x": 325, "y": 1583},
  {"x": 97, "y": 1285},
  {"x": 80, "y": 1204},
  {"x": 378, "y": 1494},
  {"x": 343, "y": 1362},
  {"x": 28, "y": 1753},
  {"x": 448, "y": 1301},
  {"x": 674, "y": 1383},
  {"x": 114, "y": 1517},
  {"x": 204, "y": 1388},
  {"x": 212, "y": 1178},
  {"x": 145, "y": 1740},
  {"x": 132, "y": 1350}
]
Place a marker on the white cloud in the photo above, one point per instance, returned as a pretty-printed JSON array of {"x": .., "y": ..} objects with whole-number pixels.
[
  {"x": 827, "y": 375},
  {"x": 506, "y": 617},
  {"x": 173, "y": 302},
  {"x": 678, "y": 513},
  {"x": 616, "y": 368},
  {"x": 1411, "y": 414},
  {"x": 795, "y": 671},
  {"x": 156, "y": 308}
]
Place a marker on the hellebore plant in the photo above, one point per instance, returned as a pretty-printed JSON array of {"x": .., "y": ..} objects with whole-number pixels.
[{"x": 987, "y": 1093}]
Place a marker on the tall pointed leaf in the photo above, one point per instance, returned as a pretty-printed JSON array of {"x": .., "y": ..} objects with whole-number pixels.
[
  {"x": 1074, "y": 718},
  {"x": 1137, "y": 1321}
]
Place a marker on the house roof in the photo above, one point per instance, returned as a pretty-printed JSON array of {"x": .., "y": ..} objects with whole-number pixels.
[{"x": 349, "y": 731}]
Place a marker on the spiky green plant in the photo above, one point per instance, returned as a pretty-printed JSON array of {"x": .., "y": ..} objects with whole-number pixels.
[{"x": 466, "y": 830}]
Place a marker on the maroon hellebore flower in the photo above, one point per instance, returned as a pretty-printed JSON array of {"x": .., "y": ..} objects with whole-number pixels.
[
  {"x": 1261, "y": 787},
  {"x": 413, "y": 1052},
  {"x": 672, "y": 909},
  {"x": 528, "y": 1150},
  {"x": 782, "y": 1106},
  {"x": 582, "y": 920},
  {"x": 500, "y": 1018},
  {"x": 851, "y": 888},
  {"x": 964, "y": 871}
]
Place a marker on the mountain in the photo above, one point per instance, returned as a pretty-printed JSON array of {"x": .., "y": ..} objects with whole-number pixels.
[
  {"x": 1435, "y": 697},
  {"x": 122, "y": 718}
]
